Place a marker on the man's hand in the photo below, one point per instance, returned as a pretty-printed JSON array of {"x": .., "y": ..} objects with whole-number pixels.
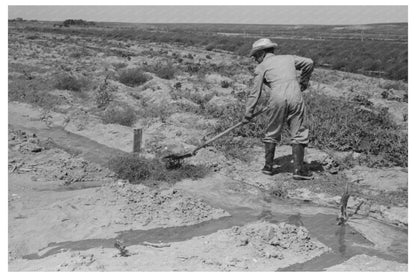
[
  {"x": 247, "y": 118},
  {"x": 303, "y": 86}
]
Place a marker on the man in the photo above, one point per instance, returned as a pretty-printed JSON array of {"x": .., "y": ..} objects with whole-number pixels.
[{"x": 286, "y": 103}]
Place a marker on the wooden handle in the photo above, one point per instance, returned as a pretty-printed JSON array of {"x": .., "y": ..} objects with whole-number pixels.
[{"x": 226, "y": 131}]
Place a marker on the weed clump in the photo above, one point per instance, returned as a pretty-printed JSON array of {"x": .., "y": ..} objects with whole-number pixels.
[
  {"x": 77, "y": 22},
  {"x": 225, "y": 84},
  {"x": 103, "y": 95},
  {"x": 133, "y": 77},
  {"x": 79, "y": 53},
  {"x": 33, "y": 91},
  {"x": 103, "y": 98},
  {"x": 138, "y": 169},
  {"x": 119, "y": 65},
  {"x": 162, "y": 70},
  {"x": 119, "y": 114},
  {"x": 340, "y": 125},
  {"x": 69, "y": 82}
]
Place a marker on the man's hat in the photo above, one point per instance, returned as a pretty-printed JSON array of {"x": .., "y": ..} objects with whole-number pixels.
[{"x": 261, "y": 44}]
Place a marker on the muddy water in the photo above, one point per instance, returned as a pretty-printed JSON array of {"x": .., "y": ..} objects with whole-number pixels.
[
  {"x": 244, "y": 203},
  {"x": 238, "y": 217},
  {"x": 344, "y": 241}
]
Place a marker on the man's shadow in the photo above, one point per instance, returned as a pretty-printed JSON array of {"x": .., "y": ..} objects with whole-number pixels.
[{"x": 284, "y": 164}]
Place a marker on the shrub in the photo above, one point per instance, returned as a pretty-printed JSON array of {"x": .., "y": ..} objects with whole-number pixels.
[
  {"x": 209, "y": 47},
  {"x": 119, "y": 65},
  {"x": 32, "y": 37},
  {"x": 362, "y": 100},
  {"x": 103, "y": 98},
  {"x": 119, "y": 114},
  {"x": 78, "y": 53},
  {"x": 138, "y": 169},
  {"x": 133, "y": 77},
  {"x": 200, "y": 98},
  {"x": 163, "y": 110},
  {"x": 122, "y": 53},
  {"x": 405, "y": 97},
  {"x": 397, "y": 85},
  {"x": 192, "y": 68},
  {"x": 79, "y": 22},
  {"x": 177, "y": 85},
  {"x": 225, "y": 84},
  {"x": 69, "y": 82},
  {"x": 33, "y": 91},
  {"x": 162, "y": 70}
]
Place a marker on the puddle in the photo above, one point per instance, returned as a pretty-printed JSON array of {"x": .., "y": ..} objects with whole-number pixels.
[{"x": 345, "y": 243}]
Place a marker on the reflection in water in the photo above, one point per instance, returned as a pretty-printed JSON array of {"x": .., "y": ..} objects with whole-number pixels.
[
  {"x": 341, "y": 240},
  {"x": 266, "y": 215},
  {"x": 295, "y": 219}
]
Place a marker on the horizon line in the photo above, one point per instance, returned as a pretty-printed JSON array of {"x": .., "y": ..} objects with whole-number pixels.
[{"x": 272, "y": 24}]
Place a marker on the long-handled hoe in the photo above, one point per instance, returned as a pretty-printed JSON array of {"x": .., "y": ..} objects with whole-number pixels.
[{"x": 175, "y": 160}]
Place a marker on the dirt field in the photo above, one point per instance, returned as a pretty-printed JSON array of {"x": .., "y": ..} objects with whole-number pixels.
[{"x": 69, "y": 212}]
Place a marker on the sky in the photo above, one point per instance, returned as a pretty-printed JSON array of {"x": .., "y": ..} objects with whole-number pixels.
[{"x": 271, "y": 14}]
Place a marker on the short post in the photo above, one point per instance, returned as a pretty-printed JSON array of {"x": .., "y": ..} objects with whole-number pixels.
[{"x": 137, "y": 140}]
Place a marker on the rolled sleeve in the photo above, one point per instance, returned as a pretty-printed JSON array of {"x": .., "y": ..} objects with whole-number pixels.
[{"x": 306, "y": 66}]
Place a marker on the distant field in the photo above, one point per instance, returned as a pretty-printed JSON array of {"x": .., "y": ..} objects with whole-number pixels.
[{"x": 376, "y": 50}]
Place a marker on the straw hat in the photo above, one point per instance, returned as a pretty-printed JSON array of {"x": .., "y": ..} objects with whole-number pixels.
[{"x": 261, "y": 44}]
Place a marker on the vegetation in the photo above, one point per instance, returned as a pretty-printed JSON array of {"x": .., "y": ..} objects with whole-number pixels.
[
  {"x": 103, "y": 96},
  {"x": 162, "y": 110},
  {"x": 69, "y": 82},
  {"x": 334, "y": 124},
  {"x": 138, "y": 169},
  {"x": 133, "y": 77},
  {"x": 340, "y": 125},
  {"x": 33, "y": 91},
  {"x": 162, "y": 70},
  {"x": 119, "y": 113},
  {"x": 118, "y": 66},
  {"x": 80, "y": 53},
  {"x": 382, "y": 58},
  {"x": 77, "y": 22}
]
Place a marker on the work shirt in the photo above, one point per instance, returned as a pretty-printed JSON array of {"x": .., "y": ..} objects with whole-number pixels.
[{"x": 279, "y": 73}]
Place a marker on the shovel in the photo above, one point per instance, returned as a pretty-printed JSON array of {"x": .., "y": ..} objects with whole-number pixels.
[{"x": 174, "y": 160}]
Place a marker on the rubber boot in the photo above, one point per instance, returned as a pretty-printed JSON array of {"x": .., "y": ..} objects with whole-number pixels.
[
  {"x": 269, "y": 149},
  {"x": 299, "y": 172}
]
